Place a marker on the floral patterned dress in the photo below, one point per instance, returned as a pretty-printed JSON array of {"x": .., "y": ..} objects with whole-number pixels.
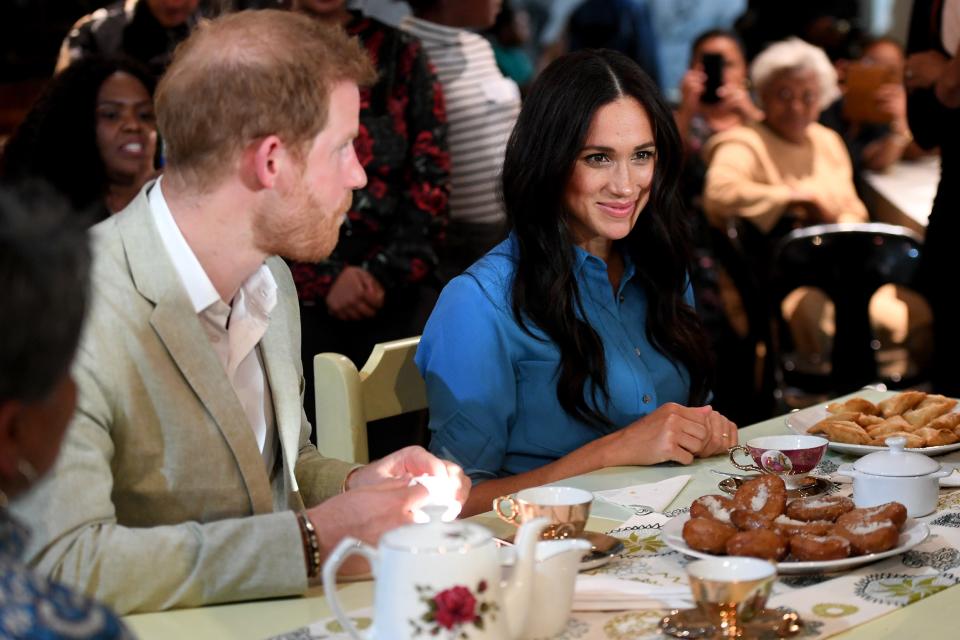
[
  {"x": 32, "y": 606},
  {"x": 396, "y": 221}
]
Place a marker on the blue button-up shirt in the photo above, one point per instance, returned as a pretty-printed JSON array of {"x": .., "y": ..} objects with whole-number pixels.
[{"x": 492, "y": 387}]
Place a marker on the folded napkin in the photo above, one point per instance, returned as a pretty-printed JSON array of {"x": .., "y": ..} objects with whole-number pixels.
[
  {"x": 646, "y": 498},
  {"x": 606, "y": 593}
]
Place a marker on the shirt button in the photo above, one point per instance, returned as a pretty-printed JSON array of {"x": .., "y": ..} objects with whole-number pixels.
[
  {"x": 215, "y": 338},
  {"x": 637, "y": 351},
  {"x": 621, "y": 297},
  {"x": 646, "y": 398}
]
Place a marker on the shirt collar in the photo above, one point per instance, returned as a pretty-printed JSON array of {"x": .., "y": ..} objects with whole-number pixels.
[
  {"x": 260, "y": 288},
  {"x": 199, "y": 288}
]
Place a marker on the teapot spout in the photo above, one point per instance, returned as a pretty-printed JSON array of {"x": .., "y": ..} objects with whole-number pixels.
[{"x": 518, "y": 590}]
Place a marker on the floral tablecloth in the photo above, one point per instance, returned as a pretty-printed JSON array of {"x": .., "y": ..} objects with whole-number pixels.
[{"x": 828, "y": 604}]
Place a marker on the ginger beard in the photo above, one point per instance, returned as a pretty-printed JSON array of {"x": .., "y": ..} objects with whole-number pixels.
[{"x": 298, "y": 226}]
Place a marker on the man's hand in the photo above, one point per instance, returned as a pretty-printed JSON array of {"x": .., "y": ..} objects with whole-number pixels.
[
  {"x": 366, "y": 514},
  {"x": 355, "y": 295},
  {"x": 408, "y": 463}
]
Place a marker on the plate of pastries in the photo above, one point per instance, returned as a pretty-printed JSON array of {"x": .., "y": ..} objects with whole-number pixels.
[
  {"x": 929, "y": 422},
  {"x": 816, "y": 533}
]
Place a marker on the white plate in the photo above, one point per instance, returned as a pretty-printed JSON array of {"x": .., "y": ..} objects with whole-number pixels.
[
  {"x": 798, "y": 422},
  {"x": 913, "y": 533}
]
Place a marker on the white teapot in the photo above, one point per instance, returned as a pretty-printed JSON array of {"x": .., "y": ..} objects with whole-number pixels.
[{"x": 443, "y": 580}]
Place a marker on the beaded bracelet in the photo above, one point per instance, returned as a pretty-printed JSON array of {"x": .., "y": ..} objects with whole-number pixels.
[{"x": 311, "y": 545}]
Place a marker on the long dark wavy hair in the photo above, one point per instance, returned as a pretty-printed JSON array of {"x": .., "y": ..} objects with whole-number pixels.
[
  {"x": 540, "y": 158},
  {"x": 57, "y": 141}
]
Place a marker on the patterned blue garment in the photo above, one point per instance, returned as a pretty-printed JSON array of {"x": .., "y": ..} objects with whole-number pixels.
[
  {"x": 491, "y": 386},
  {"x": 33, "y": 607}
]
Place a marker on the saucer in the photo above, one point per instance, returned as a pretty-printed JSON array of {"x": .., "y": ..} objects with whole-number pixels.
[
  {"x": 690, "y": 623},
  {"x": 815, "y": 488},
  {"x": 604, "y": 548}
]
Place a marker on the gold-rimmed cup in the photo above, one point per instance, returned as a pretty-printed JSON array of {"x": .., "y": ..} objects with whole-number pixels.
[
  {"x": 731, "y": 591},
  {"x": 567, "y": 508}
]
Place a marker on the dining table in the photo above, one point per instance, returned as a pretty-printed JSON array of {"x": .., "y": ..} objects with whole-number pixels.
[
  {"x": 903, "y": 193},
  {"x": 928, "y": 617}
]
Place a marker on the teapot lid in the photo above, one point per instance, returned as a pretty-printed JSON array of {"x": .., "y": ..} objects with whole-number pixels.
[
  {"x": 896, "y": 462},
  {"x": 437, "y": 537}
]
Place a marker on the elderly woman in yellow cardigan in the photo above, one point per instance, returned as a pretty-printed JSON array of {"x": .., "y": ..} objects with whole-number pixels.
[{"x": 787, "y": 163}]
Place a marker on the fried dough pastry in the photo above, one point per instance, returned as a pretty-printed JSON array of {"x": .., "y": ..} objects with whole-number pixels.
[
  {"x": 936, "y": 398},
  {"x": 892, "y": 424},
  {"x": 815, "y": 508},
  {"x": 707, "y": 535},
  {"x": 922, "y": 415},
  {"x": 947, "y": 422},
  {"x": 900, "y": 403},
  {"x": 807, "y": 547},
  {"x": 820, "y": 427},
  {"x": 892, "y": 511},
  {"x": 913, "y": 440},
  {"x": 848, "y": 432},
  {"x": 715, "y": 507},
  {"x": 854, "y": 405},
  {"x": 758, "y": 543},
  {"x": 865, "y": 420},
  {"x": 936, "y": 437},
  {"x": 765, "y": 495}
]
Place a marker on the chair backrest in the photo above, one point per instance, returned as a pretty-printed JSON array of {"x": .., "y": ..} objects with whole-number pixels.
[
  {"x": 848, "y": 262},
  {"x": 346, "y": 399}
]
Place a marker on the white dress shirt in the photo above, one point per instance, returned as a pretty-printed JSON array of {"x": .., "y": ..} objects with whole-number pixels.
[{"x": 234, "y": 330}]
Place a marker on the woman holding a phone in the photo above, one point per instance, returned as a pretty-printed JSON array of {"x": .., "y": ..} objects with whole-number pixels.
[{"x": 714, "y": 92}]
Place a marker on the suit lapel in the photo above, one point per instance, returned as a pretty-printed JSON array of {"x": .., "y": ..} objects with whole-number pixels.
[
  {"x": 284, "y": 386},
  {"x": 179, "y": 329}
]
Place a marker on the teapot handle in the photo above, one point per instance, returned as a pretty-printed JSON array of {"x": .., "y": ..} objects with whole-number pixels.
[{"x": 347, "y": 547}]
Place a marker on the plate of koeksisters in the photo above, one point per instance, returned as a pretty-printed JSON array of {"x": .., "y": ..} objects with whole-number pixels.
[
  {"x": 813, "y": 534},
  {"x": 929, "y": 422}
]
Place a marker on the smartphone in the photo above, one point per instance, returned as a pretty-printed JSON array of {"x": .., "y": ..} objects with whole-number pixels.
[{"x": 713, "y": 67}]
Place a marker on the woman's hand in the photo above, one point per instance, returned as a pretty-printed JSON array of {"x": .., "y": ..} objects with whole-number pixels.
[
  {"x": 672, "y": 432},
  {"x": 736, "y": 99},
  {"x": 723, "y": 435},
  {"x": 691, "y": 88}
]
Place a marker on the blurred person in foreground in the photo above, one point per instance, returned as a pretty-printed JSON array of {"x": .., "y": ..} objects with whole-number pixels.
[
  {"x": 44, "y": 272},
  {"x": 932, "y": 78},
  {"x": 377, "y": 285},
  {"x": 189, "y": 443},
  {"x": 92, "y": 135},
  {"x": 574, "y": 345}
]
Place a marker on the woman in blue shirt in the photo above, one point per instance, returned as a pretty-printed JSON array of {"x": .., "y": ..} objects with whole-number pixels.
[{"x": 573, "y": 345}]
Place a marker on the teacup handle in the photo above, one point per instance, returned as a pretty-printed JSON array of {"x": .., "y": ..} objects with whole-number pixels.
[
  {"x": 733, "y": 451},
  {"x": 514, "y": 510},
  {"x": 347, "y": 547}
]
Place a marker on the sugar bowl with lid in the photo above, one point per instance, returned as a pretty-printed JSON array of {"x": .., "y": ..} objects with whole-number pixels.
[{"x": 896, "y": 475}]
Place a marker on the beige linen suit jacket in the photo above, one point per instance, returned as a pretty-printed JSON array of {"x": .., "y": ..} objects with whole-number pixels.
[{"x": 160, "y": 497}]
